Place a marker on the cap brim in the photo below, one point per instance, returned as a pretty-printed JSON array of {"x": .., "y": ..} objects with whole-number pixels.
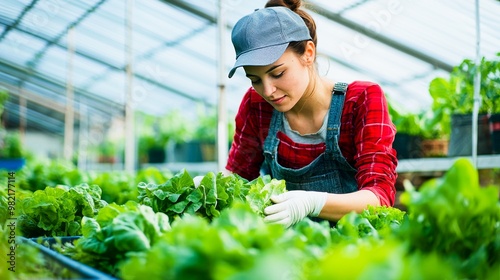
[{"x": 259, "y": 57}]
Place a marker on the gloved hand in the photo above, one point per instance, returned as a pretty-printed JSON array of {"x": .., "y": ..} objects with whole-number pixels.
[
  {"x": 197, "y": 180},
  {"x": 292, "y": 206}
]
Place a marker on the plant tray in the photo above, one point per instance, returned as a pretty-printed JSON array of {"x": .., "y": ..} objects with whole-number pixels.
[{"x": 57, "y": 262}]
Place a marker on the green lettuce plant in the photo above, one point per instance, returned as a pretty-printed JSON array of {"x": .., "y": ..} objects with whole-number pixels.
[
  {"x": 58, "y": 211},
  {"x": 456, "y": 93}
]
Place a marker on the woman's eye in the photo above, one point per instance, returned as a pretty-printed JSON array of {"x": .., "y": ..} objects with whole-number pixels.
[
  {"x": 279, "y": 74},
  {"x": 259, "y": 81}
]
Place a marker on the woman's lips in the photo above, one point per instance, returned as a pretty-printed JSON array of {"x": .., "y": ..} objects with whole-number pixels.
[{"x": 278, "y": 100}]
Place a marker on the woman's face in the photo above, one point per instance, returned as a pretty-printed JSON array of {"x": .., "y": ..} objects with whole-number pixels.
[{"x": 282, "y": 83}]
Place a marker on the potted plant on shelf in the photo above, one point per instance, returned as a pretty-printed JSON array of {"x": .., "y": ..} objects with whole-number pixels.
[
  {"x": 198, "y": 141},
  {"x": 151, "y": 145},
  {"x": 175, "y": 130},
  {"x": 11, "y": 152},
  {"x": 107, "y": 152},
  {"x": 491, "y": 85},
  {"x": 407, "y": 142},
  {"x": 162, "y": 138},
  {"x": 455, "y": 98},
  {"x": 435, "y": 133},
  {"x": 151, "y": 149},
  {"x": 206, "y": 134}
]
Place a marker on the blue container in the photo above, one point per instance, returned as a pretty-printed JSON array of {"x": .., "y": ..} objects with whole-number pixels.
[{"x": 12, "y": 164}]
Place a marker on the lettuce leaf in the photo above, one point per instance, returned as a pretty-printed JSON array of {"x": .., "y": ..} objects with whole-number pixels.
[{"x": 58, "y": 211}]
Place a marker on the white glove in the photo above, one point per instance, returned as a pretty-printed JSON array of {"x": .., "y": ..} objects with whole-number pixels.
[
  {"x": 292, "y": 206},
  {"x": 197, "y": 181}
]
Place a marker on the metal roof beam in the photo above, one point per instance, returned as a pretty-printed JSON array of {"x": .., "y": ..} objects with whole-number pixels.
[
  {"x": 192, "y": 10},
  {"x": 36, "y": 58},
  {"x": 121, "y": 69},
  {"x": 149, "y": 54},
  {"x": 360, "y": 70},
  {"x": 336, "y": 17},
  {"x": 107, "y": 106},
  {"x": 18, "y": 19}
]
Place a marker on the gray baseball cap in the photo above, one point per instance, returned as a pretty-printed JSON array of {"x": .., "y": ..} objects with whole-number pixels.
[{"x": 262, "y": 37}]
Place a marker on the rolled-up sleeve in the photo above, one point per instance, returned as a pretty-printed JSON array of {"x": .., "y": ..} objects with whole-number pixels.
[
  {"x": 374, "y": 133},
  {"x": 251, "y": 128}
]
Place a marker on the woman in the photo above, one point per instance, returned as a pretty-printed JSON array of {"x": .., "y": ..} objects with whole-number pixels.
[{"x": 330, "y": 142}]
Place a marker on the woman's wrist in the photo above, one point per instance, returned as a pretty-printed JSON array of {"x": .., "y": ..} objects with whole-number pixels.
[{"x": 338, "y": 205}]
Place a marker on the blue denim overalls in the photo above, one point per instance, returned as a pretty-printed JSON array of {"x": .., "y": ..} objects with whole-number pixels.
[{"x": 330, "y": 171}]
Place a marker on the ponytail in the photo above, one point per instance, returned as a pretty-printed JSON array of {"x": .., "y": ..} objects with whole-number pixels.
[{"x": 295, "y": 6}]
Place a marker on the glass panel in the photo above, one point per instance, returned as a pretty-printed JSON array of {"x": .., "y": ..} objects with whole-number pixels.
[
  {"x": 10, "y": 10},
  {"x": 53, "y": 64},
  {"x": 112, "y": 88},
  {"x": 164, "y": 20},
  {"x": 50, "y": 18},
  {"x": 85, "y": 71},
  {"x": 19, "y": 48},
  {"x": 54, "y": 94}
]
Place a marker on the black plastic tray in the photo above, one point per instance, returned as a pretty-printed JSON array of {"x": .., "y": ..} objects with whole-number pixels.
[{"x": 79, "y": 270}]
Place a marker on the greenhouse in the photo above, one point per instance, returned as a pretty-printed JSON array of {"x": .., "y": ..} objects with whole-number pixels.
[{"x": 129, "y": 150}]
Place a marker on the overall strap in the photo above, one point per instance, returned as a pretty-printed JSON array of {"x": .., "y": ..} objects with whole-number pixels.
[
  {"x": 337, "y": 103},
  {"x": 340, "y": 88}
]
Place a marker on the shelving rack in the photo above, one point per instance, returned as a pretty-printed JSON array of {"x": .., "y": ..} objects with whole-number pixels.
[{"x": 443, "y": 164}]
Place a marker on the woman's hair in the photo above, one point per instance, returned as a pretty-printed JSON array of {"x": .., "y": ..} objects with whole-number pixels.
[{"x": 295, "y": 6}]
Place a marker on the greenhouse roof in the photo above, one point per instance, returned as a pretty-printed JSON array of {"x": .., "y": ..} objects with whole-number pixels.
[{"x": 48, "y": 47}]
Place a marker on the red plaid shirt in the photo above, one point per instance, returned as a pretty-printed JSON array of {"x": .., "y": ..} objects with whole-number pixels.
[{"x": 366, "y": 136}]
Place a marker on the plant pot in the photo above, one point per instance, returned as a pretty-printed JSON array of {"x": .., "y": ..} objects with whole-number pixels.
[
  {"x": 156, "y": 155},
  {"x": 494, "y": 123},
  {"x": 435, "y": 147},
  {"x": 188, "y": 152},
  {"x": 12, "y": 164},
  {"x": 407, "y": 146},
  {"x": 461, "y": 135},
  {"x": 208, "y": 151},
  {"x": 106, "y": 159}
]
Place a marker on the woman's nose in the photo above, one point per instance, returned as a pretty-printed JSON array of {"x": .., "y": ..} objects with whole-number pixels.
[{"x": 268, "y": 88}]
